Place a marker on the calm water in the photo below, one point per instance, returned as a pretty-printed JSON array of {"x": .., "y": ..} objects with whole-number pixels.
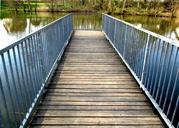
[
  {"x": 15, "y": 26},
  {"x": 168, "y": 27}
]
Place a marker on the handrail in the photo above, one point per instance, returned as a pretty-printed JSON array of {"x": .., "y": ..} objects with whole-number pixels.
[
  {"x": 26, "y": 67},
  {"x": 168, "y": 40},
  {"x": 153, "y": 60}
]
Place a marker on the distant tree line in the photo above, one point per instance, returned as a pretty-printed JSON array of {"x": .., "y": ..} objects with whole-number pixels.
[{"x": 108, "y": 5}]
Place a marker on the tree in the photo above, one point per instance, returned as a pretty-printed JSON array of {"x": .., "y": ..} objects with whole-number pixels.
[
  {"x": 124, "y": 4},
  {"x": 51, "y": 4},
  {"x": 168, "y": 4},
  {"x": 83, "y": 2}
]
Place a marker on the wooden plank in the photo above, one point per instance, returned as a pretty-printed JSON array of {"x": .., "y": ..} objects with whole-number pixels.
[
  {"x": 91, "y": 82},
  {"x": 99, "y": 121},
  {"x": 80, "y": 98},
  {"x": 88, "y": 64},
  {"x": 97, "y": 126},
  {"x": 96, "y": 94},
  {"x": 95, "y": 108},
  {"x": 96, "y": 86},
  {"x": 61, "y": 113},
  {"x": 95, "y": 103},
  {"x": 91, "y": 68},
  {"x": 99, "y": 77},
  {"x": 87, "y": 80},
  {"x": 95, "y": 90},
  {"x": 91, "y": 72},
  {"x": 96, "y": 75},
  {"x": 97, "y": 61}
]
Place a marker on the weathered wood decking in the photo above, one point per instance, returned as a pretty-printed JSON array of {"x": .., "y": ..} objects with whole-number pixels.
[{"x": 92, "y": 88}]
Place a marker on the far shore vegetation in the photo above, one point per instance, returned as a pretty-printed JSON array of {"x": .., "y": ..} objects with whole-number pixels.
[{"x": 166, "y": 8}]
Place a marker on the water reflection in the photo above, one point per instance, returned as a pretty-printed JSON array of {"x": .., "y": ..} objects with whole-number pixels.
[
  {"x": 87, "y": 21},
  {"x": 15, "y": 26},
  {"x": 163, "y": 26}
]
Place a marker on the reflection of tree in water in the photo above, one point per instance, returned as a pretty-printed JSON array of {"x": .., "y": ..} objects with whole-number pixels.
[
  {"x": 87, "y": 21},
  {"x": 15, "y": 24},
  {"x": 35, "y": 21}
]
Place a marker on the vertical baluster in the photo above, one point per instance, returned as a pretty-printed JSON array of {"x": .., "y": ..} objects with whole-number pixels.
[
  {"x": 36, "y": 60},
  {"x": 29, "y": 66},
  {"x": 123, "y": 27},
  {"x": 23, "y": 74},
  {"x": 170, "y": 79},
  {"x": 165, "y": 77},
  {"x": 25, "y": 65},
  {"x": 48, "y": 57},
  {"x": 4, "y": 111},
  {"x": 132, "y": 47},
  {"x": 147, "y": 65},
  {"x": 120, "y": 30},
  {"x": 162, "y": 62},
  {"x": 137, "y": 52},
  {"x": 32, "y": 66},
  {"x": 143, "y": 53},
  {"x": 138, "y": 49},
  {"x": 118, "y": 36},
  {"x": 21, "y": 88},
  {"x": 175, "y": 110},
  {"x": 39, "y": 47},
  {"x": 156, "y": 67},
  {"x": 39, "y": 56},
  {"x": 125, "y": 36},
  {"x": 173, "y": 92},
  {"x": 150, "y": 65},
  {"x": 115, "y": 29},
  {"x": 43, "y": 53},
  {"x": 17, "y": 100},
  {"x": 12, "y": 102},
  {"x": 149, "y": 86}
]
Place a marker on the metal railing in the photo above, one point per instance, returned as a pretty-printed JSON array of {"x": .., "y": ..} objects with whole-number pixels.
[
  {"x": 26, "y": 67},
  {"x": 153, "y": 60}
]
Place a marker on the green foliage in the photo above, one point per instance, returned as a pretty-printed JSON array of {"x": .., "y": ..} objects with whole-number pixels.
[{"x": 131, "y": 7}]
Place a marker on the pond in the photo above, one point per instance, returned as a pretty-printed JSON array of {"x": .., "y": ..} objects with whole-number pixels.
[{"x": 16, "y": 25}]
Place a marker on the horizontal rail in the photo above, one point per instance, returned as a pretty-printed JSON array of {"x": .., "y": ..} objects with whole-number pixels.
[
  {"x": 168, "y": 40},
  {"x": 153, "y": 60},
  {"x": 26, "y": 66}
]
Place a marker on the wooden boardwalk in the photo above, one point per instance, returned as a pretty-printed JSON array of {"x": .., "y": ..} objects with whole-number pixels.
[{"x": 92, "y": 88}]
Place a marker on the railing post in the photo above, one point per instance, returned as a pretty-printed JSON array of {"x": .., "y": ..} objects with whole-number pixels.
[
  {"x": 4, "y": 114},
  {"x": 42, "y": 55},
  {"x": 115, "y": 31},
  {"x": 125, "y": 36},
  {"x": 145, "y": 58}
]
